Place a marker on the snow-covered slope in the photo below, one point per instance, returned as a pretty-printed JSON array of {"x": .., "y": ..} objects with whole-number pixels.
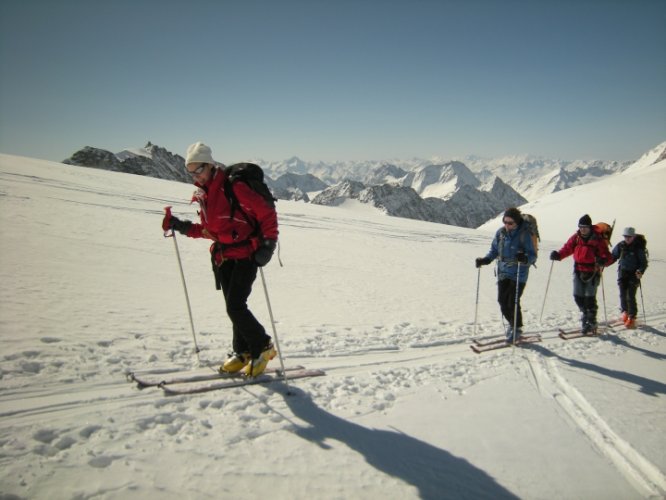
[
  {"x": 652, "y": 157},
  {"x": 634, "y": 198},
  {"x": 386, "y": 306}
]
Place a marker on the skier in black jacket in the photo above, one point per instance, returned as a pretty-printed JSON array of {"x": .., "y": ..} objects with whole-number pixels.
[{"x": 631, "y": 253}]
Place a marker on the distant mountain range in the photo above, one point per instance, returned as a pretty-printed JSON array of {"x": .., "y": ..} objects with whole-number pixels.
[
  {"x": 448, "y": 193},
  {"x": 462, "y": 193}
]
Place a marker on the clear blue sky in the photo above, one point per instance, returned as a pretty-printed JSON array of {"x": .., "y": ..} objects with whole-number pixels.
[{"x": 334, "y": 80}]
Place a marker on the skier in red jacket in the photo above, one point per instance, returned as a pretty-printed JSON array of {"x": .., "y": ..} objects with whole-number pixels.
[
  {"x": 244, "y": 238},
  {"x": 591, "y": 254}
]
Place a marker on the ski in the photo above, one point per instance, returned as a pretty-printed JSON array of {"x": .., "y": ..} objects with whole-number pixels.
[
  {"x": 489, "y": 341},
  {"x": 498, "y": 339},
  {"x": 575, "y": 334},
  {"x": 525, "y": 339},
  {"x": 148, "y": 379},
  {"x": 227, "y": 383}
]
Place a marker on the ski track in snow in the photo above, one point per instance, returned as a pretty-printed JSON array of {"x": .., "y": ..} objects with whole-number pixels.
[{"x": 645, "y": 476}]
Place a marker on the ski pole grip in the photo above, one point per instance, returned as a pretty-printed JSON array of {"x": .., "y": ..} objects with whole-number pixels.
[{"x": 168, "y": 232}]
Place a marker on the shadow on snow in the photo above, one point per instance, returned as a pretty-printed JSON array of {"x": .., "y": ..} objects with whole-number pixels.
[{"x": 436, "y": 473}]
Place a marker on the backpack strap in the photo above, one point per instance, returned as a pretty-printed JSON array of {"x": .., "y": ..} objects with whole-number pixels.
[
  {"x": 500, "y": 245},
  {"x": 235, "y": 205},
  {"x": 524, "y": 233},
  {"x": 231, "y": 197}
]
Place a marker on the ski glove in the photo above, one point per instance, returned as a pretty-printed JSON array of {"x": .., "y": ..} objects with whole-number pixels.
[
  {"x": 482, "y": 261},
  {"x": 521, "y": 257},
  {"x": 171, "y": 222},
  {"x": 264, "y": 253},
  {"x": 555, "y": 255}
]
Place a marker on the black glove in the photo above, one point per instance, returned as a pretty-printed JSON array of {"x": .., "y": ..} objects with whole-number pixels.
[
  {"x": 182, "y": 226},
  {"x": 600, "y": 262},
  {"x": 264, "y": 253},
  {"x": 482, "y": 261},
  {"x": 555, "y": 255},
  {"x": 521, "y": 257}
]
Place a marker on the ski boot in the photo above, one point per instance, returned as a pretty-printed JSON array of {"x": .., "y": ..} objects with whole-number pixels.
[
  {"x": 509, "y": 334},
  {"x": 590, "y": 328},
  {"x": 235, "y": 362},
  {"x": 257, "y": 366}
]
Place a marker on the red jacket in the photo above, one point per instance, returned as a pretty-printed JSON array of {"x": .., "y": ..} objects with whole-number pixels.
[
  {"x": 587, "y": 251},
  {"x": 237, "y": 232}
]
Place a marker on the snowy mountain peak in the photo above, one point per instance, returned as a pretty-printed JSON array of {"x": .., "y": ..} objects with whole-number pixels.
[
  {"x": 440, "y": 181},
  {"x": 386, "y": 173},
  {"x": 652, "y": 157},
  {"x": 336, "y": 195}
]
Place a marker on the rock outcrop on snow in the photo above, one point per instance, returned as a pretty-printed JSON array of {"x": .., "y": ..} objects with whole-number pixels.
[
  {"x": 151, "y": 160},
  {"x": 295, "y": 187}
]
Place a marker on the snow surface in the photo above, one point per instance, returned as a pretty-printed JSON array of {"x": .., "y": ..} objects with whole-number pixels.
[{"x": 91, "y": 290}]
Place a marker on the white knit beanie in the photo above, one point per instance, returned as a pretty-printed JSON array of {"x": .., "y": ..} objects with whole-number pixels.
[{"x": 199, "y": 153}]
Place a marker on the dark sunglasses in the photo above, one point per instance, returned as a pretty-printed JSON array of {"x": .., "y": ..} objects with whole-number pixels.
[{"x": 197, "y": 171}]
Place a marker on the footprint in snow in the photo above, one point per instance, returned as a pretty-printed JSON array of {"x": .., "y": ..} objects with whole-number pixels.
[
  {"x": 31, "y": 367},
  {"x": 50, "y": 340},
  {"x": 45, "y": 436},
  {"x": 100, "y": 462}
]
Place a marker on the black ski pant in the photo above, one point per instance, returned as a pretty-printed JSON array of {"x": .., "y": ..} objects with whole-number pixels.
[
  {"x": 506, "y": 296},
  {"x": 628, "y": 283},
  {"x": 236, "y": 278}
]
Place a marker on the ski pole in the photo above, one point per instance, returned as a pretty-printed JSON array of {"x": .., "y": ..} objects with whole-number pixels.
[
  {"x": 515, "y": 309},
  {"x": 603, "y": 294},
  {"x": 476, "y": 306},
  {"x": 277, "y": 342},
  {"x": 496, "y": 271},
  {"x": 640, "y": 286},
  {"x": 543, "y": 306},
  {"x": 182, "y": 278}
]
